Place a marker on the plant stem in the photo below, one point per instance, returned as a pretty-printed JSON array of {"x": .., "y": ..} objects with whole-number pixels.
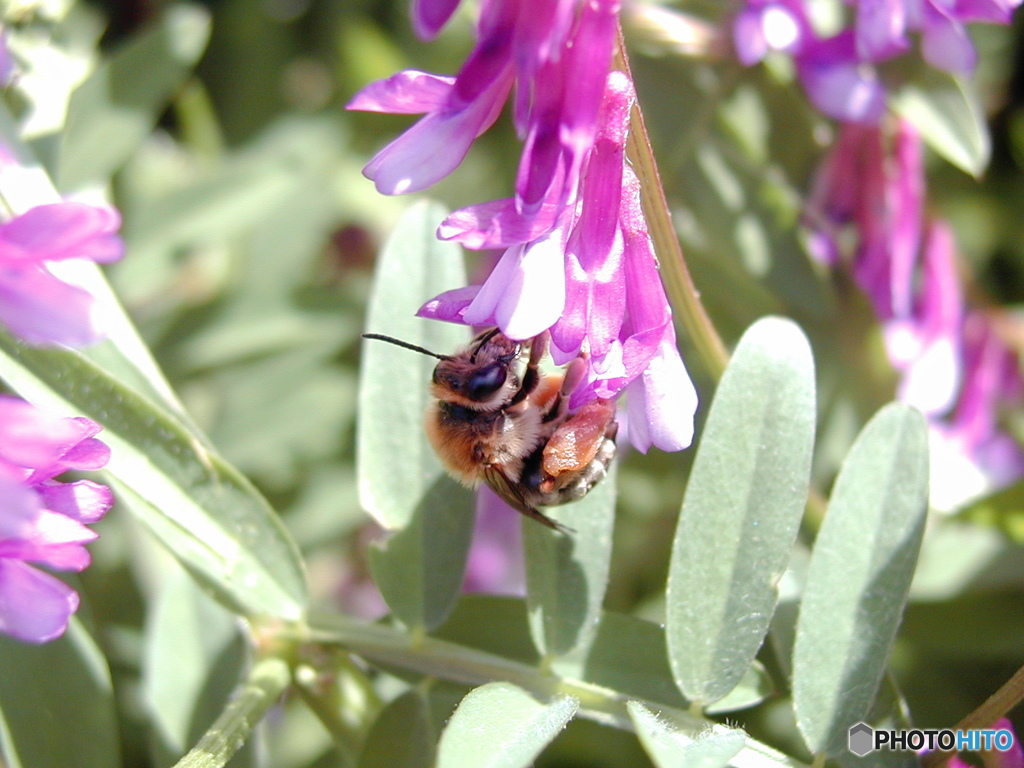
[
  {"x": 268, "y": 679},
  {"x": 429, "y": 656},
  {"x": 995, "y": 706},
  {"x": 682, "y": 293}
]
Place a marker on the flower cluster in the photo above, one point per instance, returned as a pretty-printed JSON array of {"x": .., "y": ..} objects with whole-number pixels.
[
  {"x": 41, "y": 520},
  {"x": 578, "y": 260},
  {"x": 867, "y": 210},
  {"x": 35, "y": 304},
  {"x": 840, "y": 71}
]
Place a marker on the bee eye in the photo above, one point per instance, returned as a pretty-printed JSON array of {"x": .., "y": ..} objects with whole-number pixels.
[{"x": 486, "y": 381}]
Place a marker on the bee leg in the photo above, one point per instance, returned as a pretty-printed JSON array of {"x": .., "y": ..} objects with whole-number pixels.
[
  {"x": 574, "y": 374},
  {"x": 531, "y": 378}
]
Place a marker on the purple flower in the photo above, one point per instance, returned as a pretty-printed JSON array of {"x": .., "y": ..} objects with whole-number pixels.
[
  {"x": 557, "y": 53},
  {"x": 43, "y": 521},
  {"x": 495, "y": 562},
  {"x": 866, "y": 212},
  {"x": 839, "y": 72},
  {"x": 35, "y": 304},
  {"x": 770, "y": 25},
  {"x": 578, "y": 262},
  {"x": 992, "y": 385},
  {"x": 430, "y": 16},
  {"x": 593, "y": 283}
]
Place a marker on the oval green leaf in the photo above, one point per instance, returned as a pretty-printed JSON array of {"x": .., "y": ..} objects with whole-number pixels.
[
  {"x": 117, "y": 106},
  {"x": 194, "y": 656},
  {"x": 402, "y": 735},
  {"x": 499, "y": 725},
  {"x": 567, "y": 573},
  {"x": 669, "y": 748},
  {"x": 57, "y": 704},
  {"x": 741, "y": 510},
  {"x": 946, "y": 112},
  {"x": 419, "y": 570},
  {"x": 396, "y": 466},
  {"x": 857, "y": 581}
]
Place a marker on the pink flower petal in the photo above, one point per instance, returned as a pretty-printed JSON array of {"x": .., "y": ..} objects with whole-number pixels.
[
  {"x": 434, "y": 146},
  {"x": 39, "y": 308},
  {"x": 525, "y": 293},
  {"x": 430, "y": 16},
  {"x": 82, "y": 500},
  {"x": 34, "y": 606},
  {"x": 65, "y": 230},
  {"x": 409, "y": 92},
  {"x": 450, "y": 306},
  {"x": 661, "y": 403},
  {"x": 32, "y": 438}
]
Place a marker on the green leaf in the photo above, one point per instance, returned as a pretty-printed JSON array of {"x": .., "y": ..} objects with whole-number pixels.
[
  {"x": 669, "y": 748},
  {"x": 117, "y": 106},
  {"x": 194, "y": 658},
  {"x": 741, "y": 510},
  {"x": 566, "y": 574},
  {"x": 628, "y": 655},
  {"x": 859, "y": 575},
  {"x": 419, "y": 570},
  {"x": 206, "y": 513},
  {"x": 946, "y": 112},
  {"x": 57, "y": 704},
  {"x": 396, "y": 465},
  {"x": 499, "y": 725},
  {"x": 402, "y": 735},
  {"x": 497, "y": 624}
]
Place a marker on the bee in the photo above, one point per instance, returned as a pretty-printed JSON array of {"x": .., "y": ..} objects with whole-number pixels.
[{"x": 514, "y": 431}]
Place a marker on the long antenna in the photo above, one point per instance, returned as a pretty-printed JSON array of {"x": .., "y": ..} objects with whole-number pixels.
[{"x": 406, "y": 344}]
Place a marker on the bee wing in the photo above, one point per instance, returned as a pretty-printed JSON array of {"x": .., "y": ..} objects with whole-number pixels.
[{"x": 502, "y": 485}]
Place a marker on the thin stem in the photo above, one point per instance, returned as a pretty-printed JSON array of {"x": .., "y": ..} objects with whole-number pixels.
[
  {"x": 682, "y": 293},
  {"x": 441, "y": 659},
  {"x": 1009, "y": 695},
  {"x": 267, "y": 681}
]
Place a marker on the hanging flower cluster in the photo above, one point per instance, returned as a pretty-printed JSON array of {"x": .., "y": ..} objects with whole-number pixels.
[
  {"x": 578, "y": 260},
  {"x": 43, "y": 521},
  {"x": 867, "y": 211},
  {"x": 839, "y": 71}
]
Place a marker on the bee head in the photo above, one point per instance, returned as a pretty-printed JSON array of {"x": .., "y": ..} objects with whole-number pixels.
[{"x": 480, "y": 377}]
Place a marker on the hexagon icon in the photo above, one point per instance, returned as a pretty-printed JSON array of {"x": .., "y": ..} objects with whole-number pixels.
[{"x": 860, "y": 739}]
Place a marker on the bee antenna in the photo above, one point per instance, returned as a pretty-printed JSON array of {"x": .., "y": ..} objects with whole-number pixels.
[{"x": 406, "y": 344}]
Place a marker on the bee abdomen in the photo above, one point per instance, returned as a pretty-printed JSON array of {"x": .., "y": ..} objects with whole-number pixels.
[{"x": 543, "y": 493}]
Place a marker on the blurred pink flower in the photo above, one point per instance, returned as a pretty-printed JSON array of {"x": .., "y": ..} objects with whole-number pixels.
[
  {"x": 839, "y": 72},
  {"x": 35, "y": 304},
  {"x": 495, "y": 562},
  {"x": 866, "y": 213},
  {"x": 43, "y": 521}
]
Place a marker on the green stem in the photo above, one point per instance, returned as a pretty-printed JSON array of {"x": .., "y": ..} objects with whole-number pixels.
[
  {"x": 266, "y": 682},
  {"x": 429, "y": 656},
  {"x": 679, "y": 285}
]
